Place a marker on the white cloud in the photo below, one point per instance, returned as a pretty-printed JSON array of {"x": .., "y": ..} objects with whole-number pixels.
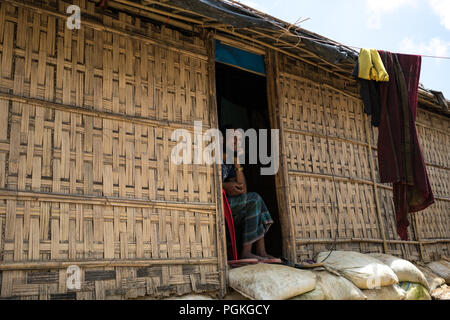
[
  {"x": 253, "y": 4},
  {"x": 376, "y": 9},
  {"x": 435, "y": 47},
  {"x": 442, "y": 9}
]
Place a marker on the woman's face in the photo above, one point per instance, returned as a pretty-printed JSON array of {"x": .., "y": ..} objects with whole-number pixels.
[{"x": 235, "y": 143}]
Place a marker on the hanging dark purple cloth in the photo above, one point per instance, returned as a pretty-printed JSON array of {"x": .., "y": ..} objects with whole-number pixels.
[{"x": 399, "y": 154}]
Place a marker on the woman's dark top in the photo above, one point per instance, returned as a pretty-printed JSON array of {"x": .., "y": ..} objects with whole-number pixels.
[{"x": 228, "y": 172}]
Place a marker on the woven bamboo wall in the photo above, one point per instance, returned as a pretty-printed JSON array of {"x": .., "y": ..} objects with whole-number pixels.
[
  {"x": 333, "y": 180},
  {"x": 85, "y": 177},
  {"x": 85, "y": 173}
]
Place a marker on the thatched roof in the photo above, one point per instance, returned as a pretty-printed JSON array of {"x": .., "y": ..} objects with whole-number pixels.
[{"x": 229, "y": 17}]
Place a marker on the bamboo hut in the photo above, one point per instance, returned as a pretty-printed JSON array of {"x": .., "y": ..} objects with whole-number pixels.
[{"x": 86, "y": 117}]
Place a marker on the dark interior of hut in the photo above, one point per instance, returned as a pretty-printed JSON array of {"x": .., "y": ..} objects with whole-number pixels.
[{"x": 242, "y": 103}]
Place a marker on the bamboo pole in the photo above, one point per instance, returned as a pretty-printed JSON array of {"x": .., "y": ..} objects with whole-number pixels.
[
  {"x": 287, "y": 53},
  {"x": 167, "y": 5},
  {"x": 224, "y": 29},
  {"x": 442, "y": 117},
  {"x": 386, "y": 187},
  {"x": 353, "y": 240},
  {"x": 241, "y": 45},
  {"x": 6, "y": 194},
  {"x": 282, "y": 178},
  {"x": 357, "y": 240},
  {"x": 447, "y": 133},
  {"x": 101, "y": 27},
  {"x": 375, "y": 185},
  {"x": 220, "y": 224},
  {"x": 137, "y": 9},
  {"x": 78, "y": 67},
  {"x": 32, "y": 265},
  {"x": 329, "y": 177},
  {"x": 290, "y": 45},
  {"x": 243, "y": 69},
  {"x": 318, "y": 135},
  {"x": 419, "y": 237},
  {"x": 333, "y": 176},
  {"x": 358, "y": 97},
  {"x": 422, "y": 94},
  {"x": 350, "y": 179},
  {"x": 318, "y": 85},
  {"x": 167, "y": 124},
  {"x": 153, "y": 121}
]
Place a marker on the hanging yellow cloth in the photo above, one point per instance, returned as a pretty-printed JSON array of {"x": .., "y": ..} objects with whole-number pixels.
[{"x": 371, "y": 67}]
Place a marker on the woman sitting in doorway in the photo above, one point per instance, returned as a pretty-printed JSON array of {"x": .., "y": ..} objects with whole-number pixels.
[{"x": 249, "y": 211}]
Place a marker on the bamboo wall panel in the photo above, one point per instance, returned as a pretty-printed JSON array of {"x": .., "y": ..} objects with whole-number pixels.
[
  {"x": 85, "y": 177},
  {"x": 410, "y": 252},
  {"x": 347, "y": 159},
  {"x": 329, "y": 172},
  {"x": 85, "y": 171},
  {"x": 328, "y": 152},
  {"x": 434, "y": 223},
  {"x": 115, "y": 159}
]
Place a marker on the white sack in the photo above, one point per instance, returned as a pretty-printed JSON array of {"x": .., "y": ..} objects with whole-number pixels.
[
  {"x": 442, "y": 269},
  {"x": 331, "y": 287},
  {"x": 191, "y": 297},
  {"x": 434, "y": 281},
  {"x": 405, "y": 270},
  {"x": 393, "y": 292},
  {"x": 271, "y": 282},
  {"x": 363, "y": 270},
  {"x": 415, "y": 291}
]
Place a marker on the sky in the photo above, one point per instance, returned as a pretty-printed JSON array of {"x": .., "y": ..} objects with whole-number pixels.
[{"x": 403, "y": 26}]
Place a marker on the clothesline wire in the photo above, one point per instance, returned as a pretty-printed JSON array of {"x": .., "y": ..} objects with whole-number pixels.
[
  {"x": 422, "y": 55},
  {"x": 287, "y": 30},
  {"x": 359, "y": 48}
]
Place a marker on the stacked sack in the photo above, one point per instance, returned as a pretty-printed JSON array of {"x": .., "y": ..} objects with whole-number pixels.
[
  {"x": 442, "y": 269},
  {"x": 277, "y": 282},
  {"x": 271, "y": 282},
  {"x": 346, "y": 275},
  {"x": 376, "y": 280},
  {"x": 332, "y": 286},
  {"x": 411, "y": 280},
  {"x": 438, "y": 276},
  {"x": 385, "y": 277}
]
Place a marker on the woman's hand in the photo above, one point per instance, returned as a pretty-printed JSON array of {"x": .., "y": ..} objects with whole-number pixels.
[{"x": 233, "y": 189}]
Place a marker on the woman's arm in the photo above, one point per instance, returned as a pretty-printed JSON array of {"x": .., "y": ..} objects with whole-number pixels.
[
  {"x": 240, "y": 177},
  {"x": 232, "y": 188}
]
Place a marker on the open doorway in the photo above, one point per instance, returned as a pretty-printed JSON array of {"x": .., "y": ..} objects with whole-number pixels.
[{"x": 242, "y": 103}]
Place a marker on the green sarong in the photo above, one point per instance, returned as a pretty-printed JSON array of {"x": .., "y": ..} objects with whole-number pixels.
[{"x": 251, "y": 215}]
